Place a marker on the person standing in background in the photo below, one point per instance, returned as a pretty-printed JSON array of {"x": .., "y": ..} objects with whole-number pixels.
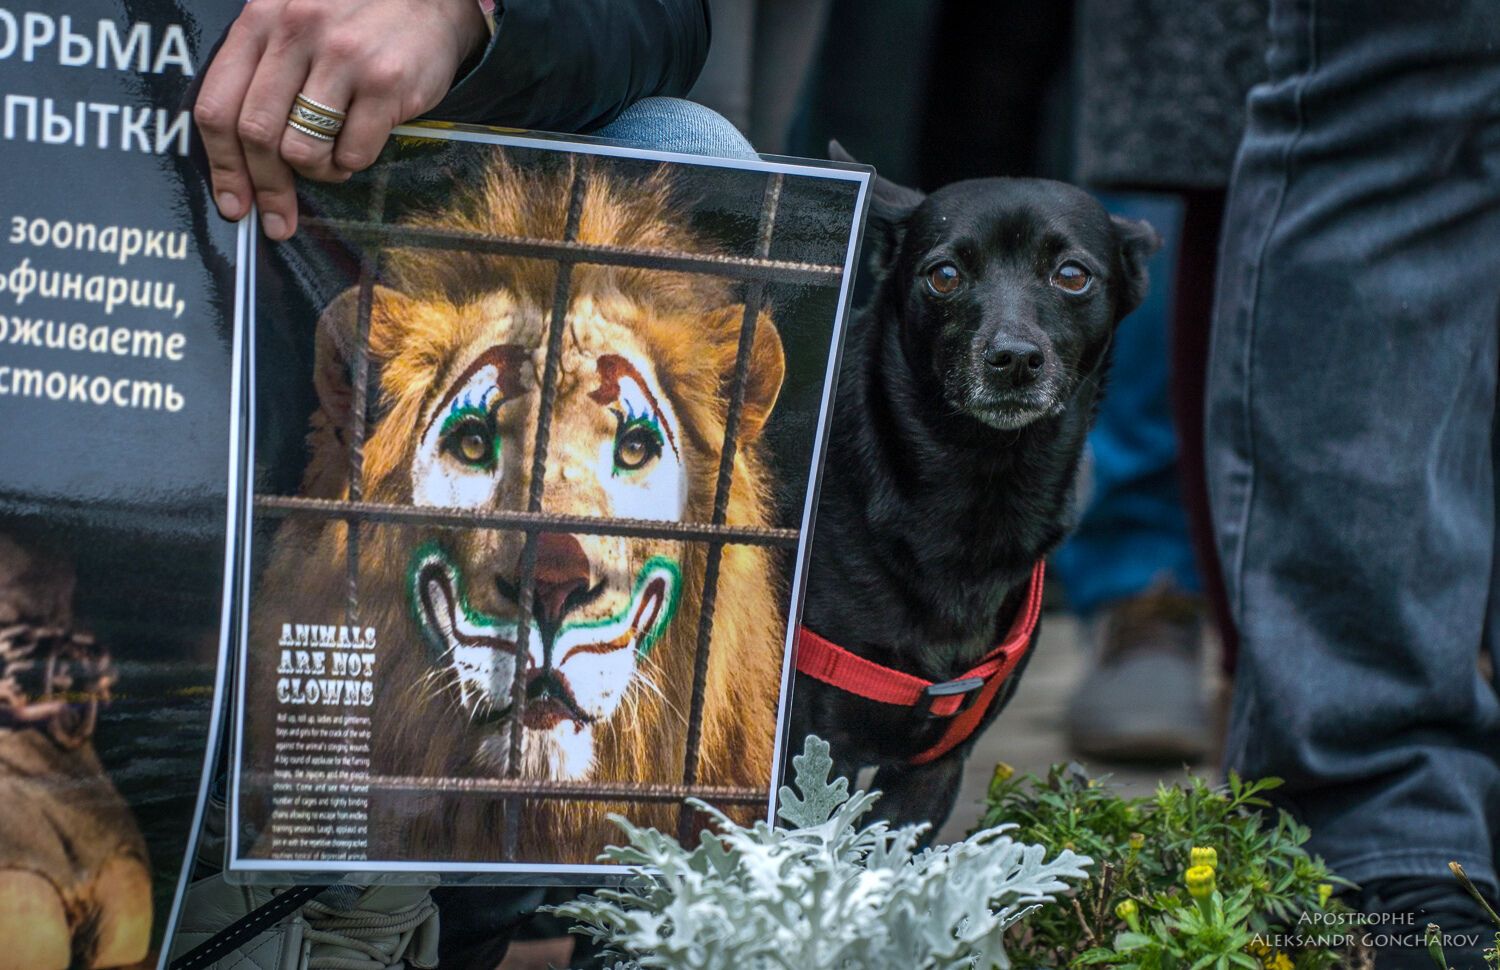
[
  {"x": 1160, "y": 87},
  {"x": 758, "y": 64}
]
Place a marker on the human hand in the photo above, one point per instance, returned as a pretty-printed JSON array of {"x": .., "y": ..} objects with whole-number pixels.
[{"x": 381, "y": 61}]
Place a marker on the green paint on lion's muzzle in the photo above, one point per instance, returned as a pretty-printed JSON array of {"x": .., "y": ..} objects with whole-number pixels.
[{"x": 659, "y": 575}]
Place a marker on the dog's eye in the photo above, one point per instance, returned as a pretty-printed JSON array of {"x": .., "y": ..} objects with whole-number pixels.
[
  {"x": 1072, "y": 277},
  {"x": 944, "y": 278}
]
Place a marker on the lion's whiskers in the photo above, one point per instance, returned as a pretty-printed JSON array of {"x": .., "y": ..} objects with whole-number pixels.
[{"x": 648, "y": 683}]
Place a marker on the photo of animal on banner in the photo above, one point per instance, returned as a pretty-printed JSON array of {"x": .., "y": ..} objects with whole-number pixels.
[{"x": 524, "y": 500}]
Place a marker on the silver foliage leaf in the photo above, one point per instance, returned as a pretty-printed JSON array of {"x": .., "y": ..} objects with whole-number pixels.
[{"x": 826, "y": 894}]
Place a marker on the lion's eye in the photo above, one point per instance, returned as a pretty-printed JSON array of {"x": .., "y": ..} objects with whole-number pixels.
[
  {"x": 636, "y": 445},
  {"x": 944, "y": 278},
  {"x": 472, "y": 441},
  {"x": 474, "y": 446},
  {"x": 1072, "y": 278}
]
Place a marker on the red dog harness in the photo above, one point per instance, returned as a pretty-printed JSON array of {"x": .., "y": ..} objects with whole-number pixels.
[{"x": 965, "y": 699}]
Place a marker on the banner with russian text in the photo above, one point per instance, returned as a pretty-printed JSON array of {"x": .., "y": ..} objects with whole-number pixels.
[{"x": 116, "y": 294}]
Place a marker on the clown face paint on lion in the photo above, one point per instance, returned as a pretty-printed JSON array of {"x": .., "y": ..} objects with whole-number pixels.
[
  {"x": 457, "y": 351},
  {"x": 601, "y": 602}
]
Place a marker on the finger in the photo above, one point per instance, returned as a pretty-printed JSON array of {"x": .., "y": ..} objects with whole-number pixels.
[
  {"x": 268, "y": 101},
  {"x": 308, "y": 154},
  {"x": 217, "y": 113},
  {"x": 371, "y": 118}
]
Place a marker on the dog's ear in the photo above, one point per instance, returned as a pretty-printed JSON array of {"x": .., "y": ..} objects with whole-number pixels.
[
  {"x": 836, "y": 153},
  {"x": 1135, "y": 242},
  {"x": 890, "y": 207}
]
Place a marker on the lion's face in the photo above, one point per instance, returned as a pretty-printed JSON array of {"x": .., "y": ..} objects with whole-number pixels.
[{"x": 617, "y": 448}]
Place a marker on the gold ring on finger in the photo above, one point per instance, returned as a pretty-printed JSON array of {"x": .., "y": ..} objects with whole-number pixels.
[{"x": 315, "y": 119}]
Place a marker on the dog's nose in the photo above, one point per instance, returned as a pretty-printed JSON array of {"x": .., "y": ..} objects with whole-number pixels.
[
  {"x": 1014, "y": 360},
  {"x": 562, "y": 569}
]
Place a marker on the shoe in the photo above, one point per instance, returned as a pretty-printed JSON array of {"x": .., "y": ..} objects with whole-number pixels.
[{"x": 1142, "y": 699}]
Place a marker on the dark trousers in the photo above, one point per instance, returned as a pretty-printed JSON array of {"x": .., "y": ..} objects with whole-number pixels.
[{"x": 1351, "y": 430}]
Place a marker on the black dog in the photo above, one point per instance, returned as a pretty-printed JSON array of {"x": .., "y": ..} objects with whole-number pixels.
[{"x": 968, "y": 384}]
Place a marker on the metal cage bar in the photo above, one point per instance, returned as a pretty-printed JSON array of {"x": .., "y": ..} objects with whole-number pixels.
[
  {"x": 369, "y": 268},
  {"x": 526, "y": 582},
  {"x": 576, "y": 791},
  {"x": 570, "y": 251},
  {"x": 754, "y": 298},
  {"x": 278, "y": 506}
]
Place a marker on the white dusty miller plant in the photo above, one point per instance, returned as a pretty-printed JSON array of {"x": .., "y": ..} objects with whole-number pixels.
[{"x": 824, "y": 894}]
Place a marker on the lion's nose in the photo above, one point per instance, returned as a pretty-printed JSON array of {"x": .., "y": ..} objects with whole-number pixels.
[{"x": 562, "y": 569}]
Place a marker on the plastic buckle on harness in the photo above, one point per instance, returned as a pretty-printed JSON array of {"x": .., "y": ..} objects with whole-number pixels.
[{"x": 964, "y": 685}]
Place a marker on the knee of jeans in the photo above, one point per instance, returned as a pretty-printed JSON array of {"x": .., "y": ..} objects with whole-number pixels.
[{"x": 676, "y": 125}]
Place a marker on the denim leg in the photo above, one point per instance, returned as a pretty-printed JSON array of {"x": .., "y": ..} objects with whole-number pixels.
[
  {"x": 1351, "y": 429},
  {"x": 675, "y": 125},
  {"x": 1133, "y": 531}
]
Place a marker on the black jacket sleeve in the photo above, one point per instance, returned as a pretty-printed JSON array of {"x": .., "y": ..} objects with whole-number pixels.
[{"x": 573, "y": 65}]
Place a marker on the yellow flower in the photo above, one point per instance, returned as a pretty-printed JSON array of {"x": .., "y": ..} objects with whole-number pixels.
[
  {"x": 1200, "y": 881},
  {"x": 1325, "y": 892},
  {"x": 1125, "y": 909},
  {"x": 1204, "y": 856},
  {"x": 1258, "y": 947},
  {"x": 1279, "y": 962},
  {"x": 1137, "y": 841},
  {"x": 1003, "y": 773}
]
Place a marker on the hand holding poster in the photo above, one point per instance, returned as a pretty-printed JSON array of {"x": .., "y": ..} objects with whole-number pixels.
[{"x": 524, "y": 506}]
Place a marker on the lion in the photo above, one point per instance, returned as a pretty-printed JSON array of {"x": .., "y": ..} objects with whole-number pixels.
[{"x": 457, "y": 347}]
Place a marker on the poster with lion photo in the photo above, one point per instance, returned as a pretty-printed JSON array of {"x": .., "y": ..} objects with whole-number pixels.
[{"x": 530, "y": 441}]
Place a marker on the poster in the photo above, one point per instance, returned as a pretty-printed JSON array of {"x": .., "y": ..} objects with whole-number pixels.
[
  {"x": 529, "y": 444},
  {"x": 116, "y": 314}
]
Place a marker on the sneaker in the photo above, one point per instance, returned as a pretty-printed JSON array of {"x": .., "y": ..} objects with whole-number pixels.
[{"x": 1142, "y": 698}]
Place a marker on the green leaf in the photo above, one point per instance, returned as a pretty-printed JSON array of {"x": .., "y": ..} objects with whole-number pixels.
[{"x": 1099, "y": 954}]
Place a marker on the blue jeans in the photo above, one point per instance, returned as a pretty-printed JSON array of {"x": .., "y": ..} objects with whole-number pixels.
[
  {"x": 1133, "y": 532},
  {"x": 675, "y": 125},
  {"x": 1351, "y": 430}
]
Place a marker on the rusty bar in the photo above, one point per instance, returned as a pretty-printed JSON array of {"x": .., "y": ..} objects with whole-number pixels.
[
  {"x": 277, "y": 506},
  {"x": 576, "y": 791},
  {"x": 369, "y": 268},
  {"x": 754, "y": 298},
  {"x": 526, "y": 581},
  {"x": 567, "y": 251}
]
